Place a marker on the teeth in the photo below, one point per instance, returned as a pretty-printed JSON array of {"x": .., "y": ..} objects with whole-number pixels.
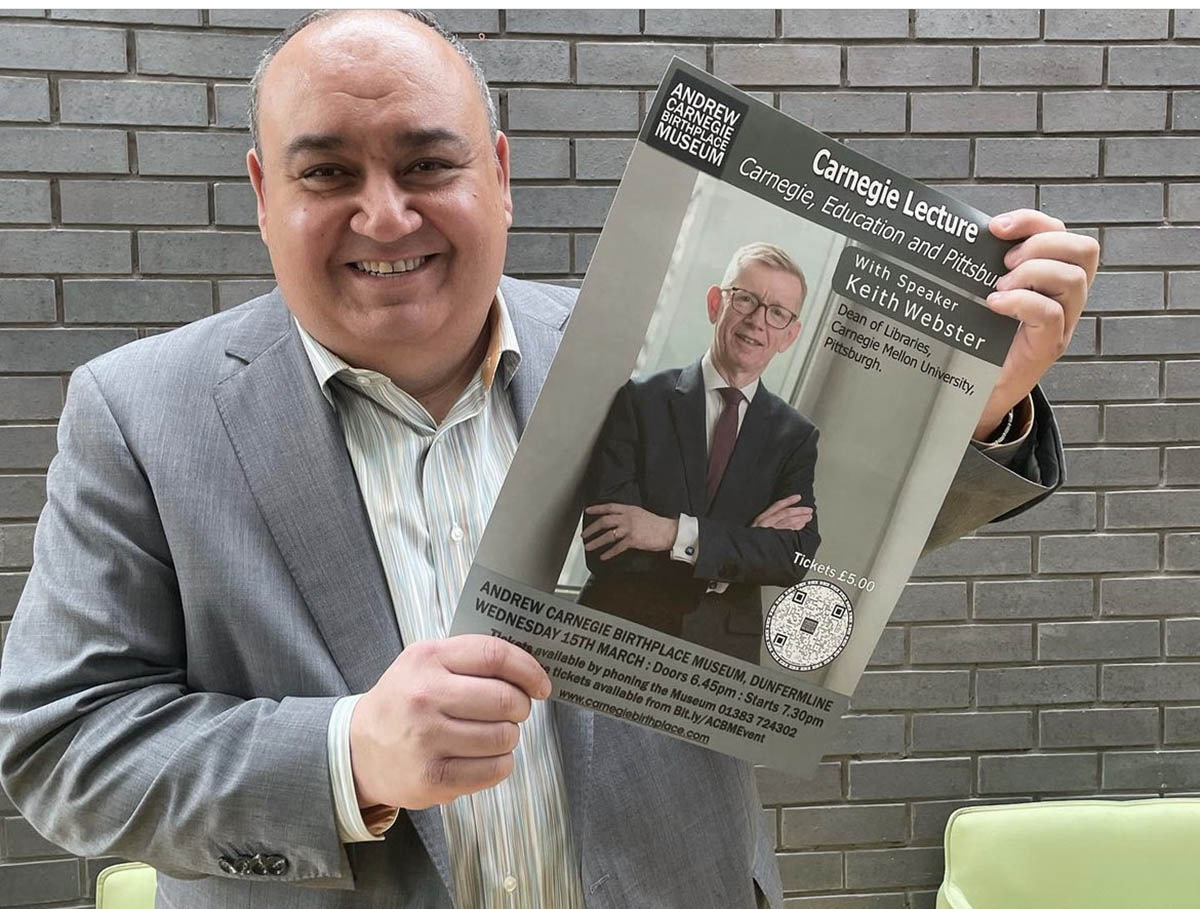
[{"x": 388, "y": 268}]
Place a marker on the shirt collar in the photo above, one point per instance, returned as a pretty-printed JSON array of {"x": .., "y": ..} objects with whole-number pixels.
[
  {"x": 503, "y": 353},
  {"x": 713, "y": 379}
]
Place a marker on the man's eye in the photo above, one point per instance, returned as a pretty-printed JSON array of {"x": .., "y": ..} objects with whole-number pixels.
[
  {"x": 323, "y": 172},
  {"x": 431, "y": 166}
]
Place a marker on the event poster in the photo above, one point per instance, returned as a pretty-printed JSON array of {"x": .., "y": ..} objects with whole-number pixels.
[{"x": 776, "y": 361}]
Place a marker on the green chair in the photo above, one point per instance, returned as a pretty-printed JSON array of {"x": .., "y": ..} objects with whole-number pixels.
[
  {"x": 1087, "y": 854},
  {"x": 129, "y": 885}
]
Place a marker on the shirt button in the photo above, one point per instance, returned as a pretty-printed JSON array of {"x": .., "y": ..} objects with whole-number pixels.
[
  {"x": 456, "y": 534},
  {"x": 510, "y": 884}
]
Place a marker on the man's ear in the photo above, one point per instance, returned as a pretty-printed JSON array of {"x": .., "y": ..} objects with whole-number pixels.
[
  {"x": 792, "y": 332},
  {"x": 714, "y": 303},
  {"x": 254, "y": 167},
  {"x": 503, "y": 174}
]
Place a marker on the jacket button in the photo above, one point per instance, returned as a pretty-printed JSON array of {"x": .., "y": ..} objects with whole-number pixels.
[
  {"x": 242, "y": 864},
  {"x": 257, "y": 866},
  {"x": 225, "y": 865},
  {"x": 276, "y": 864}
]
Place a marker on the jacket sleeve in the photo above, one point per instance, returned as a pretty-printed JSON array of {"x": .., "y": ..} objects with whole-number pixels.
[{"x": 104, "y": 747}]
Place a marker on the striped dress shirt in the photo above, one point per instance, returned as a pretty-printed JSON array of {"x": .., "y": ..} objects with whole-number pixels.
[{"x": 428, "y": 490}]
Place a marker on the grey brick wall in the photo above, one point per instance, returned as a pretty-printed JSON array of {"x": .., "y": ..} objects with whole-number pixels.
[{"x": 1056, "y": 655}]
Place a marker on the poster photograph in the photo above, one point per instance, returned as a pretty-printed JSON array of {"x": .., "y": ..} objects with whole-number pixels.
[{"x": 777, "y": 359}]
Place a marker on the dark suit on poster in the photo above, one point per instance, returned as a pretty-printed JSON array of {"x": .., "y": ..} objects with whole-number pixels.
[{"x": 652, "y": 452}]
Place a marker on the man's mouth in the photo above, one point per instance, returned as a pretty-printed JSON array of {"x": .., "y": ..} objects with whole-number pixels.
[
  {"x": 383, "y": 269},
  {"x": 746, "y": 339}
]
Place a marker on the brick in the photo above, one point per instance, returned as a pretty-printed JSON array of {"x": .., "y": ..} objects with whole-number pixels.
[
  {"x": 1187, "y": 23},
  {"x": 30, "y": 397},
  {"x": 993, "y": 197},
  {"x": 128, "y": 301},
  {"x": 1151, "y": 245},
  {"x": 1153, "y": 65},
  {"x": 1097, "y": 727},
  {"x": 1105, "y": 24},
  {"x": 202, "y": 253},
  {"x": 1037, "y": 158},
  {"x": 1023, "y": 773},
  {"x": 277, "y": 19},
  {"x": 1183, "y": 466},
  {"x": 212, "y": 55},
  {"x": 977, "y": 555},
  {"x": 927, "y": 159},
  {"x": 1148, "y": 596},
  {"x": 846, "y": 111},
  {"x": 192, "y": 154},
  {"x": 777, "y": 788},
  {"x": 811, "y": 870},
  {"x": 1112, "y": 381},
  {"x": 929, "y": 818},
  {"x": 1033, "y": 599},
  {"x": 1185, "y": 202},
  {"x": 538, "y": 254},
  {"x": 974, "y": 112},
  {"x": 845, "y": 23},
  {"x": 1035, "y": 685},
  {"x": 27, "y": 883},
  {"x": 24, "y": 201},
  {"x": 25, "y": 842},
  {"x": 232, "y": 105},
  {"x": 908, "y": 867},
  {"x": 977, "y": 23},
  {"x": 97, "y": 151},
  {"x": 990, "y": 731},
  {"x": 875, "y": 734},
  {"x": 1152, "y": 422},
  {"x": 910, "y": 778},
  {"x": 907, "y": 64},
  {"x": 1150, "y": 771},
  {"x": 517, "y": 60},
  {"x": 1078, "y": 423},
  {"x": 1112, "y": 466},
  {"x": 848, "y": 901},
  {"x": 16, "y": 551},
  {"x": 889, "y": 649},
  {"x": 234, "y": 293},
  {"x": 1083, "y": 340},
  {"x": 1106, "y": 640},
  {"x": 912, "y": 690},
  {"x": 971, "y": 644},
  {"x": 1040, "y": 65},
  {"x": 27, "y": 300},
  {"x": 133, "y": 202},
  {"x": 27, "y": 447},
  {"x": 584, "y": 245},
  {"x": 711, "y": 23},
  {"x": 574, "y": 21},
  {"x": 561, "y": 206},
  {"x": 1181, "y": 726},
  {"x": 24, "y": 98},
  {"x": 1152, "y": 508},
  {"x": 778, "y": 64},
  {"x": 830, "y": 825},
  {"x": 1150, "y": 682},
  {"x": 1103, "y": 111},
  {"x": 931, "y": 602},
  {"x": 1126, "y": 291},
  {"x": 1104, "y": 203},
  {"x": 70, "y": 251},
  {"x": 133, "y": 102},
  {"x": 62, "y": 48},
  {"x": 1183, "y": 290},
  {"x": 1183, "y": 637},
  {"x": 631, "y": 63},
  {"x": 1181, "y": 552},
  {"x": 235, "y": 203},
  {"x": 1095, "y": 553},
  {"x": 539, "y": 159},
  {"x": 132, "y": 16},
  {"x": 43, "y": 350},
  {"x": 1065, "y": 511},
  {"x": 569, "y": 110},
  {"x": 11, "y": 585},
  {"x": 602, "y": 159},
  {"x": 1151, "y": 156},
  {"x": 464, "y": 21},
  {"x": 1186, "y": 110}
]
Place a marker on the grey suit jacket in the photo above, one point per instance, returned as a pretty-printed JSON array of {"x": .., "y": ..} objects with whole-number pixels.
[{"x": 205, "y": 586}]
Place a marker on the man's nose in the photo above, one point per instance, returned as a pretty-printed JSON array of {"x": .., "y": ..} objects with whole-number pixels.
[{"x": 385, "y": 213}]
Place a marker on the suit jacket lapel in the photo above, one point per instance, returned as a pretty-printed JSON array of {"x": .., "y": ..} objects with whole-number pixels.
[{"x": 687, "y": 414}]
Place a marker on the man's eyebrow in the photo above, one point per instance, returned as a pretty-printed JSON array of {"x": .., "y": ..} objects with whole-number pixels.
[
  {"x": 422, "y": 138},
  {"x": 317, "y": 142}
]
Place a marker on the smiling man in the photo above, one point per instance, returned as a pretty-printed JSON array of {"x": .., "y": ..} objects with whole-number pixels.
[{"x": 230, "y": 658}]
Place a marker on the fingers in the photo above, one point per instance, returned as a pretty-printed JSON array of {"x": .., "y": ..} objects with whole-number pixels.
[
  {"x": 619, "y": 547},
  {"x": 601, "y": 525},
  {"x": 1062, "y": 246},
  {"x": 1062, "y": 281},
  {"x": 788, "y": 519},
  {"x": 469, "y": 697},
  {"x": 474, "y": 739},
  {"x": 454, "y": 776},
  {"x": 775, "y": 507},
  {"x": 1023, "y": 222},
  {"x": 488, "y": 657}
]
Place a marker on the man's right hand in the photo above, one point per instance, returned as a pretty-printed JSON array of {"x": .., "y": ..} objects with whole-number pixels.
[
  {"x": 442, "y": 721},
  {"x": 785, "y": 514}
]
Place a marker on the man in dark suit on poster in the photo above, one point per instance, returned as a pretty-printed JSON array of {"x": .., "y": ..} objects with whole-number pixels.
[{"x": 700, "y": 487}]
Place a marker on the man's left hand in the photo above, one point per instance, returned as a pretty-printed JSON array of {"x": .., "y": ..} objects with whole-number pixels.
[
  {"x": 1050, "y": 271},
  {"x": 622, "y": 527}
]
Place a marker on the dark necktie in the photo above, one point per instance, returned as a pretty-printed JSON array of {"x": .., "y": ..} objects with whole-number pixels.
[{"x": 723, "y": 439}]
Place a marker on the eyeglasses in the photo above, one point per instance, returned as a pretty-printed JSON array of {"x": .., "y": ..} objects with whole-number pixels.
[{"x": 747, "y": 303}]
